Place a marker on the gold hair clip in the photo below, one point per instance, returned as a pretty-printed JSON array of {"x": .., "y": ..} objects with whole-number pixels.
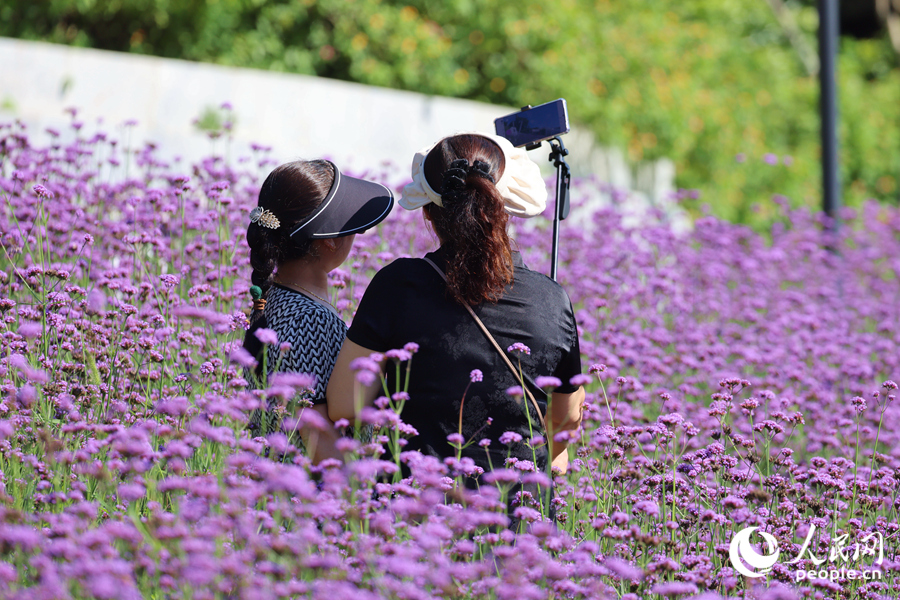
[{"x": 264, "y": 218}]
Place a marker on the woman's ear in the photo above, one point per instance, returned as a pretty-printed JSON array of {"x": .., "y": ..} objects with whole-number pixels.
[{"x": 330, "y": 244}]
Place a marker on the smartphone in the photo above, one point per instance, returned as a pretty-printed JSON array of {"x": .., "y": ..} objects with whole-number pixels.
[{"x": 532, "y": 126}]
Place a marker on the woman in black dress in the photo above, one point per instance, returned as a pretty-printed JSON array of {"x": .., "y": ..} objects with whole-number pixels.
[{"x": 467, "y": 186}]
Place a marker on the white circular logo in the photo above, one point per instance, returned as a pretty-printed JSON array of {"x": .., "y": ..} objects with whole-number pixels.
[{"x": 741, "y": 551}]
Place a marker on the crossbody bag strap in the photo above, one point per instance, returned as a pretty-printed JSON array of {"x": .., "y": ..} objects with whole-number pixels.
[{"x": 497, "y": 347}]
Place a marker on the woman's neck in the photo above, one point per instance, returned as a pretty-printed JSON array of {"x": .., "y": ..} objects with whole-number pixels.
[{"x": 309, "y": 274}]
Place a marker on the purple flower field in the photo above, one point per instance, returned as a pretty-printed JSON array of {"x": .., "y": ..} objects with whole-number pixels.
[{"x": 734, "y": 380}]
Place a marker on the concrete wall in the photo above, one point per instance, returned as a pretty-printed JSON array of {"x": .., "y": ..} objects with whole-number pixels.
[{"x": 359, "y": 126}]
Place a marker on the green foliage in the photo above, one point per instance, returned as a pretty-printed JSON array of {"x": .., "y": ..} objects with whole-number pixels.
[
  {"x": 215, "y": 121},
  {"x": 708, "y": 83}
]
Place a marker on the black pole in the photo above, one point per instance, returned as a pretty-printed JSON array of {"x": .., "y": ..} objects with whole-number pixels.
[
  {"x": 828, "y": 46},
  {"x": 563, "y": 176}
]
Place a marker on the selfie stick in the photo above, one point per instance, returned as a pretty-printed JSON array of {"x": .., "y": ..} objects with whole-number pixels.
[{"x": 558, "y": 153}]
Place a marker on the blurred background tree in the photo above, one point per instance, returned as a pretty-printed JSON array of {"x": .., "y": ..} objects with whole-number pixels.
[{"x": 725, "y": 88}]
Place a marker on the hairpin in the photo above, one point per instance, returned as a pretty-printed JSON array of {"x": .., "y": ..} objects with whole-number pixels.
[
  {"x": 264, "y": 218},
  {"x": 454, "y": 179},
  {"x": 481, "y": 169}
]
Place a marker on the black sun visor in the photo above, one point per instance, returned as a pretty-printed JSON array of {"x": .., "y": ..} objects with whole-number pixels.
[{"x": 351, "y": 206}]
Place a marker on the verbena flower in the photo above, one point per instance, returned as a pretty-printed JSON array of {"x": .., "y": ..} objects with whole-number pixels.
[
  {"x": 113, "y": 372},
  {"x": 515, "y": 391},
  {"x": 545, "y": 382},
  {"x": 580, "y": 380},
  {"x": 266, "y": 336},
  {"x": 519, "y": 347},
  {"x": 510, "y": 437}
]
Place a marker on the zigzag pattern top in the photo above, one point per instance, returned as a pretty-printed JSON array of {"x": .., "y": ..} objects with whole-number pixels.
[{"x": 314, "y": 332}]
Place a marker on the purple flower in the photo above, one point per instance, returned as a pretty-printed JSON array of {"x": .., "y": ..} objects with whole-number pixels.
[
  {"x": 23, "y": 536},
  {"x": 580, "y": 380},
  {"x": 266, "y": 336},
  {"x": 299, "y": 381},
  {"x": 131, "y": 491},
  {"x": 622, "y": 570},
  {"x": 42, "y": 192},
  {"x": 671, "y": 589},
  {"x": 312, "y": 419},
  {"x": 529, "y": 515},
  {"x": 169, "y": 280},
  {"x": 365, "y": 363},
  {"x": 242, "y": 357},
  {"x": 648, "y": 507},
  {"x": 519, "y": 347},
  {"x": 7, "y": 429},
  {"x": 663, "y": 316},
  {"x": 30, "y": 330},
  {"x": 27, "y": 395},
  {"x": 366, "y": 378},
  {"x": 547, "y": 382},
  {"x": 510, "y": 437},
  {"x": 502, "y": 476},
  {"x": 398, "y": 355}
]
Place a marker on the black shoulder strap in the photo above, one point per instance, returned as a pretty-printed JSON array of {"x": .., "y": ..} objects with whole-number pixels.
[{"x": 497, "y": 347}]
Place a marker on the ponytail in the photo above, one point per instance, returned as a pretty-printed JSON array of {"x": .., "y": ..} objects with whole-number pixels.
[{"x": 472, "y": 222}]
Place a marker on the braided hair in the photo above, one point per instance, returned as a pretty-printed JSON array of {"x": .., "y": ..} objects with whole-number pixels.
[
  {"x": 471, "y": 224},
  {"x": 291, "y": 193}
]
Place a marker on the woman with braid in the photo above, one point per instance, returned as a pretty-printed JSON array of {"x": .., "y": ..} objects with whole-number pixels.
[
  {"x": 303, "y": 227},
  {"x": 467, "y": 186}
]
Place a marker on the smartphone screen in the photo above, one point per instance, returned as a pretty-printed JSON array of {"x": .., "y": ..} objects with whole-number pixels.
[{"x": 535, "y": 124}]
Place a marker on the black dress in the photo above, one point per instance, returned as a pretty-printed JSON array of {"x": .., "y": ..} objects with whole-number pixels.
[{"x": 407, "y": 301}]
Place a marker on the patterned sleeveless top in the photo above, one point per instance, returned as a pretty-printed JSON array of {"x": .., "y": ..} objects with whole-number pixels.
[
  {"x": 315, "y": 334},
  {"x": 313, "y": 330}
]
